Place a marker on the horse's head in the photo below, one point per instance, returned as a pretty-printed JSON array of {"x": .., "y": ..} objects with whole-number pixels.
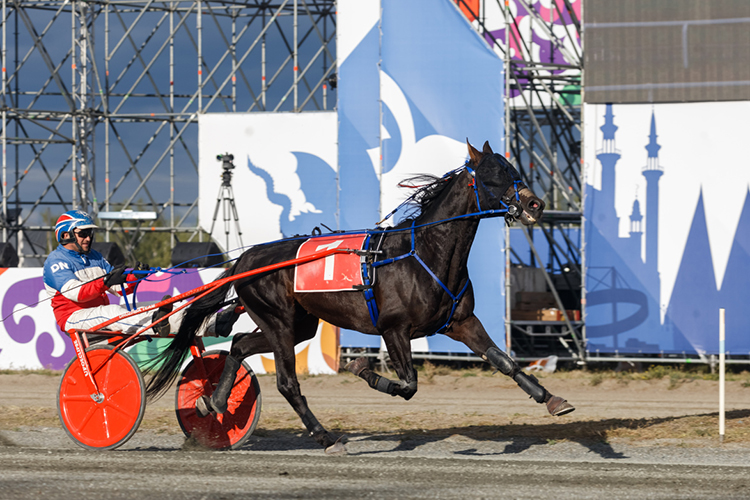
[{"x": 498, "y": 181}]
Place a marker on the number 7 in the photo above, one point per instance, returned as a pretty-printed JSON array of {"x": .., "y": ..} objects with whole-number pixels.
[{"x": 328, "y": 271}]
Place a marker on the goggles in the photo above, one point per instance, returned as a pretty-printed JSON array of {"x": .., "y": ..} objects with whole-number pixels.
[{"x": 85, "y": 233}]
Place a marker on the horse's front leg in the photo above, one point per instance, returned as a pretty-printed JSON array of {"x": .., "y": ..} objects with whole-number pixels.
[
  {"x": 471, "y": 332},
  {"x": 399, "y": 350},
  {"x": 288, "y": 385}
]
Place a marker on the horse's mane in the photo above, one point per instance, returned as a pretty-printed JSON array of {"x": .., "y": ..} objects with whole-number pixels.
[{"x": 428, "y": 189}]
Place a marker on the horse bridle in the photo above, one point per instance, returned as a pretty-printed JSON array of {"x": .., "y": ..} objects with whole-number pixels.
[{"x": 511, "y": 206}]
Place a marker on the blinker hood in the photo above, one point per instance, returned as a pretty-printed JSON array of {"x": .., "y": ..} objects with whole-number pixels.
[{"x": 495, "y": 175}]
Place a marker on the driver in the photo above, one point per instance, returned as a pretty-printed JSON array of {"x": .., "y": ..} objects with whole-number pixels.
[{"x": 78, "y": 278}]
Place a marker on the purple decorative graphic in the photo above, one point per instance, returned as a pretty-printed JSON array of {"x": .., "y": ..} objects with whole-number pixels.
[
  {"x": 528, "y": 40},
  {"x": 32, "y": 325},
  {"x": 26, "y": 293}
]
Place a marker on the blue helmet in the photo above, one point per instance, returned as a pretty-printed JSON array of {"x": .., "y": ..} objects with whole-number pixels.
[{"x": 70, "y": 220}]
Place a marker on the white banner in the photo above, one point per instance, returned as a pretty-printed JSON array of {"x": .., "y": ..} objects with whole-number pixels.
[
  {"x": 667, "y": 213},
  {"x": 31, "y": 339},
  {"x": 284, "y": 182}
]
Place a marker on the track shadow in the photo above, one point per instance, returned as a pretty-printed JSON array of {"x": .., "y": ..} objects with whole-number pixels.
[
  {"x": 593, "y": 435},
  {"x": 6, "y": 441}
]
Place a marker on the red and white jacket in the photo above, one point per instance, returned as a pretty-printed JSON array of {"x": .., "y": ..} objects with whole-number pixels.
[{"x": 75, "y": 281}]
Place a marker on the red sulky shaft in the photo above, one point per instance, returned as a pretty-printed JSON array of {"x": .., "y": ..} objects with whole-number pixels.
[{"x": 208, "y": 287}]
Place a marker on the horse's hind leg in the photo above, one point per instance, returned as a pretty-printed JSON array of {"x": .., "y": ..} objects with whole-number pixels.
[
  {"x": 471, "y": 332},
  {"x": 243, "y": 345}
]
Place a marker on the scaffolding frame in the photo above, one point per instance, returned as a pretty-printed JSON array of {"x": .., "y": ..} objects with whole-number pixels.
[
  {"x": 543, "y": 133},
  {"x": 120, "y": 130}
]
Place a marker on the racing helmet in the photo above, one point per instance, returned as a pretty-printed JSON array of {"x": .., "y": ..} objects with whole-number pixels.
[{"x": 70, "y": 220}]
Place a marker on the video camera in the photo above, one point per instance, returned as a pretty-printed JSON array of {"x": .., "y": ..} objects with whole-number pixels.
[{"x": 226, "y": 161}]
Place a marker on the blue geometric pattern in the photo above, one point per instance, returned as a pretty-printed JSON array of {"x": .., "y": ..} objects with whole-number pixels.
[
  {"x": 623, "y": 289},
  {"x": 317, "y": 182},
  {"x": 452, "y": 85}
]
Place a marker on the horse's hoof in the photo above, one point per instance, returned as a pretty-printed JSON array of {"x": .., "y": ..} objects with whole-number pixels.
[
  {"x": 356, "y": 366},
  {"x": 558, "y": 407},
  {"x": 337, "y": 448},
  {"x": 202, "y": 407}
]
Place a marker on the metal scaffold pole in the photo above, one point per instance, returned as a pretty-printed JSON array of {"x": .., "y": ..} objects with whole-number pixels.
[
  {"x": 136, "y": 102},
  {"x": 5, "y": 124},
  {"x": 542, "y": 139},
  {"x": 506, "y": 67}
]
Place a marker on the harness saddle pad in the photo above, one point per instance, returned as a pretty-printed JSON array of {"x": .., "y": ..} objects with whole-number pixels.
[{"x": 334, "y": 273}]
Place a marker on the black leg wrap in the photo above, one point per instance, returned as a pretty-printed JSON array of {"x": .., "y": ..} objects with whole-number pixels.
[
  {"x": 507, "y": 366},
  {"x": 531, "y": 386},
  {"x": 381, "y": 384},
  {"x": 316, "y": 430},
  {"x": 388, "y": 386},
  {"x": 311, "y": 423},
  {"x": 384, "y": 385},
  {"x": 224, "y": 388},
  {"x": 502, "y": 362}
]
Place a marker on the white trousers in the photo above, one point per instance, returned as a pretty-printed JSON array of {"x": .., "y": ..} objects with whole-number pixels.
[{"x": 85, "y": 319}]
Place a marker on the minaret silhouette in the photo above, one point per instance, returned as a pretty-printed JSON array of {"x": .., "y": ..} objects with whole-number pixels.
[
  {"x": 608, "y": 157},
  {"x": 636, "y": 232},
  {"x": 652, "y": 172}
]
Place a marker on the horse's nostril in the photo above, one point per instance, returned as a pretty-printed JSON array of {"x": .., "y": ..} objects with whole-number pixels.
[{"x": 534, "y": 204}]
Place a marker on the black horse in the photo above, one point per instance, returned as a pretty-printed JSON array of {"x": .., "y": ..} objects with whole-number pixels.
[{"x": 425, "y": 291}]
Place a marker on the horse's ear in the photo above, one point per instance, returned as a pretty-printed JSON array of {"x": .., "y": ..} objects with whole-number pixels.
[
  {"x": 474, "y": 155},
  {"x": 486, "y": 149}
]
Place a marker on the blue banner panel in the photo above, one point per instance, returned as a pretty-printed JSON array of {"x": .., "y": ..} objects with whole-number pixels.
[
  {"x": 359, "y": 137},
  {"x": 666, "y": 229},
  {"x": 438, "y": 84}
]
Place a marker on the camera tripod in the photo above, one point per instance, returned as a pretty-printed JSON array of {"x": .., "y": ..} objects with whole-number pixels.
[{"x": 225, "y": 200}]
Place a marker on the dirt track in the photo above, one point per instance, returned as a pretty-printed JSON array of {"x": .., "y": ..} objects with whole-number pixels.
[
  {"x": 459, "y": 399},
  {"x": 464, "y": 435}
]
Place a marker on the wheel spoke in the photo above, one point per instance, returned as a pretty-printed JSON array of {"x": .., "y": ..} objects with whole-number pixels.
[
  {"x": 111, "y": 404},
  {"x": 105, "y": 414},
  {"x": 113, "y": 392},
  {"x": 77, "y": 397},
  {"x": 89, "y": 414},
  {"x": 107, "y": 377},
  {"x": 244, "y": 376}
]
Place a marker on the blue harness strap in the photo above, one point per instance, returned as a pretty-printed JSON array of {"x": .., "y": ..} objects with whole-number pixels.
[
  {"x": 413, "y": 253},
  {"x": 366, "y": 288},
  {"x": 372, "y": 305}
]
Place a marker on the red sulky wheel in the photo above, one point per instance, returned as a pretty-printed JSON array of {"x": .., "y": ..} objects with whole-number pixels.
[
  {"x": 112, "y": 420},
  {"x": 232, "y": 428}
]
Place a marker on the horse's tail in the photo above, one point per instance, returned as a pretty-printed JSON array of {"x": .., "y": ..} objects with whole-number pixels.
[{"x": 166, "y": 366}]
